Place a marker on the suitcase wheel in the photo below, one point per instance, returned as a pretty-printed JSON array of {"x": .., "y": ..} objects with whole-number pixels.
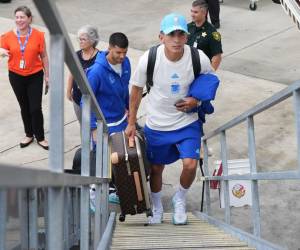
[
  {"x": 140, "y": 210},
  {"x": 122, "y": 217},
  {"x": 149, "y": 213}
]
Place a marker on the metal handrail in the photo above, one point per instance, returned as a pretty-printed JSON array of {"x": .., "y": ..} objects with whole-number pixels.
[
  {"x": 58, "y": 184},
  {"x": 26, "y": 177},
  {"x": 54, "y": 23},
  {"x": 292, "y": 9},
  {"x": 253, "y": 176},
  {"x": 264, "y": 105}
]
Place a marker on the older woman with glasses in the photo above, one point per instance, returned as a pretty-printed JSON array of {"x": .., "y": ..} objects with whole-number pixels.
[{"x": 88, "y": 39}]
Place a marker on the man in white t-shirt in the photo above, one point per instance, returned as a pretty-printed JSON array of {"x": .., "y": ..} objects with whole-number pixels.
[{"x": 171, "y": 131}]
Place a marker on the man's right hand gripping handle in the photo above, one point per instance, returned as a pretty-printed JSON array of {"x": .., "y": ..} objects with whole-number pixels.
[
  {"x": 130, "y": 132},
  {"x": 134, "y": 103}
]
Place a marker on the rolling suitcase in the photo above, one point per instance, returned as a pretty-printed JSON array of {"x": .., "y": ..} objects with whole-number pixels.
[{"x": 131, "y": 170}]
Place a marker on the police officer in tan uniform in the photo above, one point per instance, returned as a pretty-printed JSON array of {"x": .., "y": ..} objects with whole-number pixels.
[{"x": 203, "y": 35}]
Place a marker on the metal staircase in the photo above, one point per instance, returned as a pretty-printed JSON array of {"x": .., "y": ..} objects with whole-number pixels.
[
  {"x": 198, "y": 234},
  {"x": 292, "y": 8}
]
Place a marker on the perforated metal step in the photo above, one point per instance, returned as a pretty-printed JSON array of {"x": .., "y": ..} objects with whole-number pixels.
[{"x": 198, "y": 234}]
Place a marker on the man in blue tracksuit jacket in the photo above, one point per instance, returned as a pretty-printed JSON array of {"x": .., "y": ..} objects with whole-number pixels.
[{"x": 109, "y": 79}]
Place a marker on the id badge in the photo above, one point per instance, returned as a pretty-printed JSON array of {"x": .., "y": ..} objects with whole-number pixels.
[
  {"x": 195, "y": 44},
  {"x": 22, "y": 64}
]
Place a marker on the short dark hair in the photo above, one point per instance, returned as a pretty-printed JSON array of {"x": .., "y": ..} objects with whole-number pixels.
[
  {"x": 118, "y": 39},
  {"x": 200, "y": 3},
  {"x": 24, "y": 9}
]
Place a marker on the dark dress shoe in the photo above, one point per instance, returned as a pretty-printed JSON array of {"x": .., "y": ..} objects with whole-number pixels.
[
  {"x": 24, "y": 145},
  {"x": 44, "y": 147}
]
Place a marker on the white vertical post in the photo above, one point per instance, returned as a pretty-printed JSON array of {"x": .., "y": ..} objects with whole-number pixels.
[
  {"x": 206, "y": 173},
  {"x": 99, "y": 166},
  {"x": 225, "y": 173},
  {"x": 296, "y": 98},
  {"x": 33, "y": 217},
  {"x": 254, "y": 183},
  {"x": 85, "y": 171},
  {"x": 105, "y": 186},
  {"x": 56, "y": 154},
  {"x": 23, "y": 215},
  {"x": 3, "y": 218}
]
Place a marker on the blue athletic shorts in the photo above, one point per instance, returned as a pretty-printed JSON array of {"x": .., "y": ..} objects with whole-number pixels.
[{"x": 165, "y": 147}]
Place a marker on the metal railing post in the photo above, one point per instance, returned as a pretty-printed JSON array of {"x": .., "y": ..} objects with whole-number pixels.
[
  {"x": 3, "y": 218},
  {"x": 77, "y": 215},
  {"x": 99, "y": 165},
  {"x": 33, "y": 217},
  {"x": 106, "y": 174},
  {"x": 56, "y": 123},
  {"x": 206, "y": 173},
  {"x": 85, "y": 171},
  {"x": 296, "y": 100},
  {"x": 254, "y": 183},
  {"x": 23, "y": 215},
  {"x": 56, "y": 154},
  {"x": 71, "y": 206},
  {"x": 225, "y": 173},
  {"x": 68, "y": 212},
  {"x": 46, "y": 218}
]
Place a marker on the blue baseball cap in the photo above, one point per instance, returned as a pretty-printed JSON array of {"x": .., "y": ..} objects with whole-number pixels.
[{"x": 173, "y": 22}]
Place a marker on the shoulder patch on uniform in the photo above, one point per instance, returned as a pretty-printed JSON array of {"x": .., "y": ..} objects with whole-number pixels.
[{"x": 216, "y": 35}]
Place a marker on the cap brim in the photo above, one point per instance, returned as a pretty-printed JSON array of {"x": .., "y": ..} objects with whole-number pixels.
[{"x": 173, "y": 28}]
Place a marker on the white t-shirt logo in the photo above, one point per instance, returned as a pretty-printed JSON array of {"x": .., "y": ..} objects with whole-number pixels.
[
  {"x": 174, "y": 76},
  {"x": 175, "y": 88}
]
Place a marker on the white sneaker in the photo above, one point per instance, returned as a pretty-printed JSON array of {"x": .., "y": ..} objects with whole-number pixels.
[
  {"x": 156, "y": 218},
  {"x": 179, "y": 215},
  {"x": 209, "y": 152},
  {"x": 92, "y": 199}
]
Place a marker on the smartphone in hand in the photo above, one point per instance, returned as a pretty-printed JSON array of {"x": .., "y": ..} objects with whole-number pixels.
[
  {"x": 46, "y": 89},
  {"x": 179, "y": 102}
]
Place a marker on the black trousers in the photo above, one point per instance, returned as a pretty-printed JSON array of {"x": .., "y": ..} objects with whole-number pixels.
[
  {"x": 214, "y": 11},
  {"x": 29, "y": 90}
]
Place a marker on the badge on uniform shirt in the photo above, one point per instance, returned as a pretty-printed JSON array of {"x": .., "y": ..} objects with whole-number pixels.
[
  {"x": 204, "y": 34},
  {"x": 22, "y": 64},
  {"x": 216, "y": 35}
]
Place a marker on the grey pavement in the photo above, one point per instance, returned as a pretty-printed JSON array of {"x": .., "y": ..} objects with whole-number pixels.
[
  {"x": 256, "y": 43},
  {"x": 261, "y": 57}
]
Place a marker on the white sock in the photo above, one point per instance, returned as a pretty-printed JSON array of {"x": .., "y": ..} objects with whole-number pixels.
[
  {"x": 180, "y": 193},
  {"x": 156, "y": 199}
]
